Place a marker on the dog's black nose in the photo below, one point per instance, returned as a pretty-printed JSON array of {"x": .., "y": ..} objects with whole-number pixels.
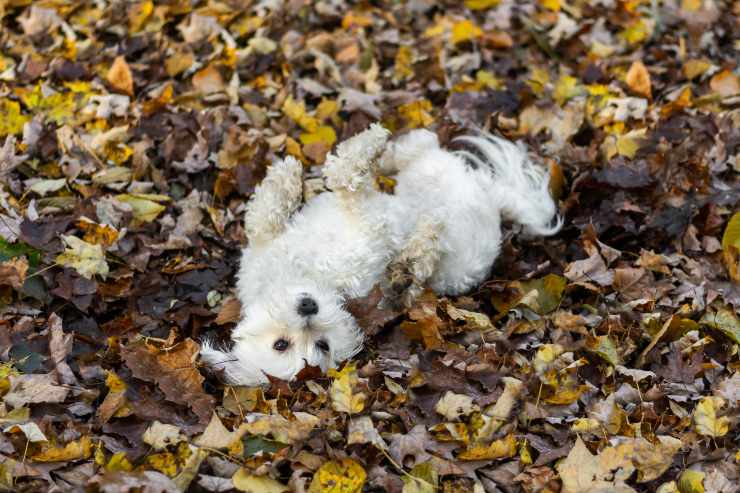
[{"x": 307, "y": 306}]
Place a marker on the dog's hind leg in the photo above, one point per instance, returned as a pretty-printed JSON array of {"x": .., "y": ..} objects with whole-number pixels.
[
  {"x": 406, "y": 149},
  {"x": 350, "y": 169},
  {"x": 274, "y": 201},
  {"x": 407, "y": 275}
]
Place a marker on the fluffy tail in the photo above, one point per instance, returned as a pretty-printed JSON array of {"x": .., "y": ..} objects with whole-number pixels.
[{"x": 521, "y": 186}]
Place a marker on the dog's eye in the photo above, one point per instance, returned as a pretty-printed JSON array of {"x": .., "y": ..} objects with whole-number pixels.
[
  {"x": 322, "y": 345},
  {"x": 281, "y": 345}
]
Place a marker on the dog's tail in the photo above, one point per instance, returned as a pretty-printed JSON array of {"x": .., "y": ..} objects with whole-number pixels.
[{"x": 520, "y": 186}]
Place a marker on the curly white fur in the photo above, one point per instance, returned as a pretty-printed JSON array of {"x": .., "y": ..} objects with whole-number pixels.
[{"x": 443, "y": 220}]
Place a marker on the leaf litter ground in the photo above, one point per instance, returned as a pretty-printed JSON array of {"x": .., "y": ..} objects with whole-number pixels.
[{"x": 602, "y": 359}]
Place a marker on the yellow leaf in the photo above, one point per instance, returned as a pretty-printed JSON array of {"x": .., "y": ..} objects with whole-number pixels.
[
  {"x": 243, "y": 481},
  {"x": 78, "y": 449},
  {"x": 119, "y": 76},
  {"x": 11, "y": 118},
  {"x": 146, "y": 207},
  {"x": 403, "y": 69},
  {"x": 465, "y": 31},
  {"x": 326, "y": 109},
  {"x": 114, "y": 382},
  {"x": 352, "y": 19},
  {"x": 628, "y": 144},
  {"x": 638, "y": 79},
  {"x": 565, "y": 396},
  {"x": 323, "y": 134},
  {"x": 567, "y": 87},
  {"x": 297, "y": 112},
  {"x": 281, "y": 429},
  {"x": 545, "y": 356},
  {"x": 119, "y": 462},
  {"x": 164, "y": 462},
  {"x": 694, "y": 68},
  {"x": 538, "y": 80},
  {"x": 344, "y": 399},
  {"x": 139, "y": 15},
  {"x": 487, "y": 79},
  {"x": 59, "y": 107},
  {"x": 691, "y": 5},
  {"x": 705, "y": 417},
  {"x": 97, "y": 234},
  {"x": 481, "y": 4},
  {"x": 731, "y": 236},
  {"x": 636, "y": 33},
  {"x": 498, "y": 449},
  {"x": 85, "y": 258},
  {"x": 691, "y": 481},
  {"x": 338, "y": 476},
  {"x": 416, "y": 114}
]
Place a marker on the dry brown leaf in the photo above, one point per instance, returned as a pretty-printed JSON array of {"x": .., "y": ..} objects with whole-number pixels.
[{"x": 173, "y": 370}]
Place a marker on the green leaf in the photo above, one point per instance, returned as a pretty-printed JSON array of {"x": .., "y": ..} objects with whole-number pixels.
[{"x": 19, "y": 249}]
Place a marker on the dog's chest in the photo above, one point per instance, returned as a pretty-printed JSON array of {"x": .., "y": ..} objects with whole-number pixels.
[{"x": 347, "y": 249}]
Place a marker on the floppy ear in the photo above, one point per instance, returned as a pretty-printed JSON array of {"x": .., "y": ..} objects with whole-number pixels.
[
  {"x": 274, "y": 201},
  {"x": 225, "y": 363}
]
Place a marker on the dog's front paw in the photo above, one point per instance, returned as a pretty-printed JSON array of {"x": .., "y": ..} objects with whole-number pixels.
[{"x": 350, "y": 167}]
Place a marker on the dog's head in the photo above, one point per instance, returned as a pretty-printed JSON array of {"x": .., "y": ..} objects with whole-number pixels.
[{"x": 285, "y": 327}]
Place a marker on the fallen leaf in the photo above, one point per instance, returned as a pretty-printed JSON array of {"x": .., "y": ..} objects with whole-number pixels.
[
  {"x": 725, "y": 83},
  {"x": 161, "y": 435},
  {"x": 280, "y": 428},
  {"x": 174, "y": 371},
  {"x": 498, "y": 449},
  {"x": 87, "y": 259},
  {"x": 465, "y": 30},
  {"x": 146, "y": 207},
  {"x": 13, "y": 272},
  {"x": 31, "y": 431},
  {"x": 34, "y": 389},
  {"x": 119, "y": 76},
  {"x": 74, "y": 450},
  {"x": 243, "y": 481},
  {"x": 638, "y": 79},
  {"x": 582, "y": 472},
  {"x": 338, "y": 476},
  {"x": 705, "y": 417},
  {"x": 454, "y": 406},
  {"x": 344, "y": 395}
]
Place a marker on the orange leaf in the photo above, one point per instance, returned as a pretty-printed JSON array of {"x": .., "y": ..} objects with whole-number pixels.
[
  {"x": 119, "y": 76},
  {"x": 638, "y": 80}
]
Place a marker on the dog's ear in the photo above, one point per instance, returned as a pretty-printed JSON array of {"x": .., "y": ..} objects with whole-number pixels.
[
  {"x": 274, "y": 201},
  {"x": 227, "y": 367}
]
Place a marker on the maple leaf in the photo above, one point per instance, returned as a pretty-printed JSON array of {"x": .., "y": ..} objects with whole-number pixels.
[{"x": 174, "y": 372}]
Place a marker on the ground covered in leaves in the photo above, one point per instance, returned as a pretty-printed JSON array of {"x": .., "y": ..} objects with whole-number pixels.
[{"x": 602, "y": 359}]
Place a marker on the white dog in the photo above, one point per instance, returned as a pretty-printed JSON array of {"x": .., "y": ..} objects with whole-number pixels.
[{"x": 442, "y": 226}]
